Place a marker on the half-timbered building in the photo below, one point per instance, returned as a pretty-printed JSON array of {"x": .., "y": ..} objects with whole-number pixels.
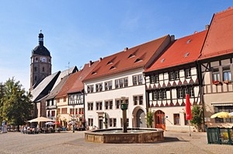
[
  {"x": 170, "y": 78},
  {"x": 216, "y": 63}
]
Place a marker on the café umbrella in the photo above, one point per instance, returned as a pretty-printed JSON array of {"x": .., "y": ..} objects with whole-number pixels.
[
  {"x": 40, "y": 119},
  {"x": 221, "y": 115}
]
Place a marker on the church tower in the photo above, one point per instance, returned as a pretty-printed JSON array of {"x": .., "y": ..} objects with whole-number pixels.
[{"x": 40, "y": 66}]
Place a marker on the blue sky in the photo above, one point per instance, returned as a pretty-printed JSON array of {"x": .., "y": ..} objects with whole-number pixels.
[{"x": 77, "y": 31}]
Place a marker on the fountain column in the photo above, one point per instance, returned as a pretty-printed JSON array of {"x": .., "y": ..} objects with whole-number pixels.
[{"x": 124, "y": 107}]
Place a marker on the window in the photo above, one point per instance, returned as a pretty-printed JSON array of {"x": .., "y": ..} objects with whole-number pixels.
[
  {"x": 187, "y": 73},
  {"x": 90, "y": 121},
  {"x": 98, "y": 87},
  {"x": 154, "y": 78},
  {"x": 190, "y": 91},
  {"x": 155, "y": 95},
  {"x": 162, "y": 94},
  {"x": 90, "y": 88},
  {"x": 64, "y": 99},
  {"x": 90, "y": 106},
  {"x": 171, "y": 76},
  {"x": 180, "y": 93},
  {"x": 120, "y": 83},
  {"x": 138, "y": 100},
  {"x": 226, "y": 73},
  {"x": 99, "y": 105},
  {"x": 35, "y": 69},
  {"x": 108, "y": 104},
  {"x": 117, "y": 103},
  {"x": 176, "y": 119},
  {"x": 112, "y": 122},
  {"x": 137, "y": 79},
  {"x": 43, "y": 69},
  {"x": 215, "y": 74},
  {"x": 64, "y": 110},
  {"x": 108, "y": 85},
  {"x": 76, "y": 99}
]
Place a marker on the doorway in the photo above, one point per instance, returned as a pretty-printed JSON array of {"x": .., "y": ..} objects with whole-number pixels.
[
  {"x": 100, "y": 125},
  {"x": 140, "y": 118},
  {"x": 160, "y": 119}
]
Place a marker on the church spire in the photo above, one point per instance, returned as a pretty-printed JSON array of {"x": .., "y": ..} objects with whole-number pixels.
[{"x": 41, "y": 38}]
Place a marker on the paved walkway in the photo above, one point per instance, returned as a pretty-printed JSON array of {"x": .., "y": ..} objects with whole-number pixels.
[{"x": 68, "y": 142}]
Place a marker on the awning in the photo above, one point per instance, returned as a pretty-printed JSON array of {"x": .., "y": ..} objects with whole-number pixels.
[{"x": 222, "y": 104}]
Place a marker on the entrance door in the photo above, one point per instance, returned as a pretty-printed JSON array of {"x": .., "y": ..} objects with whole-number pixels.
[
  {"x": 160, "y": 119},
  {"x": 140, "y": 118},
  {"x": 100, "y": 122}
]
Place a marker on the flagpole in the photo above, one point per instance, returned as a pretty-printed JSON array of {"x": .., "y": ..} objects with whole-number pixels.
[{"x": 189, "y": 129}]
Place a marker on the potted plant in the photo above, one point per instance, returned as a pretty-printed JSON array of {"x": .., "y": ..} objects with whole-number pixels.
[
  {"x": 216, "y": 82},
  {"x": 227, "y": 81}
]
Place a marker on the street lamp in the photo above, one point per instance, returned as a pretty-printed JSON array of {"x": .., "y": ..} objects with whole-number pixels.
[{"x": 124, "y": 107}]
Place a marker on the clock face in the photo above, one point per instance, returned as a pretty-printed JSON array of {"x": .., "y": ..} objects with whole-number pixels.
[{"x": 43, "y": 59}]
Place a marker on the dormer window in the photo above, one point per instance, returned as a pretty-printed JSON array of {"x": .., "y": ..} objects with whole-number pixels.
[
  {"x": 131, "y": 55},
  {"x": 113, "y": 67},
  {"x": 188, "y": 41},
  {"x": 162, "y": 60},
  {"x": 109, "y": 63},
  {"x": 138, "y": 60},
  {"x": 186, "y": 54}
]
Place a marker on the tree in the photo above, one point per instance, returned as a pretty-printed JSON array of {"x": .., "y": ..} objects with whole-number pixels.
[
  {"x": 15, "y": 103},
  {"x": 149, "y": 119},
  {"x": 197, "y": 116}
]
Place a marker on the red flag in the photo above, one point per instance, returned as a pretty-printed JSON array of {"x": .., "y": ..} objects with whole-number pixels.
[{"x": 188, "y": 108}]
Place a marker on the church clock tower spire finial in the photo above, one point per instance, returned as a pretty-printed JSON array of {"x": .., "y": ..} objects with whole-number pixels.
[{"x": 41, "y": 38}]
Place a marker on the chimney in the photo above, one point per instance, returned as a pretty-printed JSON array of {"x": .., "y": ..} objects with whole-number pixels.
[
  {"x": 172, "y": 38},
  {"x": 101, "y": 59},
  {"x": 207, "y": 27},
  {"x": 90, "y": 63},
  {"x": 126, "y": 49}
]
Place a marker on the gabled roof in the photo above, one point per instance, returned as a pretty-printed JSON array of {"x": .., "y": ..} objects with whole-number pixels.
[
  {"x": 182, "y": 51},
  {"x": 53, "y": 93},
  {"x": 78, "y": 84},
  {"x": 132, "y": 58},
  {"x": 219, "y": 38},
  {"x": 44, "y": 87},
  {"x": 68, "y": 84},
  {"x": 65, "y": 73}
]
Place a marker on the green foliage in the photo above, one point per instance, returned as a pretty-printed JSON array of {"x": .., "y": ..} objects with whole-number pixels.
[
  {"x": 15, "y": 104},
  {"x": 149, "y": 118},
  {"x": 197, "y": 116}
]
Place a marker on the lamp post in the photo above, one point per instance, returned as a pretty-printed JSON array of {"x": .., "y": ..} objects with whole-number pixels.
[{"x": 124, "y": 107}]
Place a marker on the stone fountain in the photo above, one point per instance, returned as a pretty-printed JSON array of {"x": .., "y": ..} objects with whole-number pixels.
[{"x": 125, "y": 135}]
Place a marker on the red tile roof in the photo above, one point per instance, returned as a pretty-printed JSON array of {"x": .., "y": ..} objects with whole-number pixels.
[
  {"x": 182, "y": 51},
  {"x": 68, "y": 84},
  {"x": 132, "y": 58},
  {"x": 78, "y": 84},
  {"x": 219, "y": 38}
]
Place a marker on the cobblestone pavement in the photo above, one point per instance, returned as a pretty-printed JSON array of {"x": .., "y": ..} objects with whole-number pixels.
[{"x": 68, "y": 142}]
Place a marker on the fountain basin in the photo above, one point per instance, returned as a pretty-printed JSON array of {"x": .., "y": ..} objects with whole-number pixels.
[{"x": 133, "y": 135}]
